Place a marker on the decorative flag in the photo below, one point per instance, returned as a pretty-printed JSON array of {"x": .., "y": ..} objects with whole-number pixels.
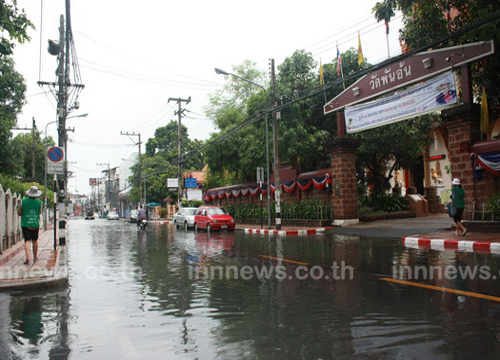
[
  {"x": 321, "y": 79},
  {"x": 339, "y": 61},
  {"x": 361, "y": 59},
  {"x": 386, "y": 27},
  {"x": 484, "y": 117}
]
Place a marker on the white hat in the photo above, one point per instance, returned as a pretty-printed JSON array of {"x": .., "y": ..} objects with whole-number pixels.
[
  {"x": 33, "y": 192},
  {"x": 455, "y": 181}
]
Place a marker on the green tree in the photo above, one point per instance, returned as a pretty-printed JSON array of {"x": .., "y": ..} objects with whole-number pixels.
[
  {"x": 158, "y": 162},
  {"x": 14, "y": 27},
  {"x": 234, "y": 104},
  {"x": 12, "y": 99},
  {"x": 22, "y": 147}
]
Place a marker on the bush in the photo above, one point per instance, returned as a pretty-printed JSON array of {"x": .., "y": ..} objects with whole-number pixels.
[
  {"x": 305, "y": 210},
  {"x": 192, "y": 203},
  {"x": 378, "y": 204},
  {"x": 493, "y": 205}
]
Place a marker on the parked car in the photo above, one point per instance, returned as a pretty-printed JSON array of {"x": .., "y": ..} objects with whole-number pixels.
[
  {"x": 185, "y": 217},
  {"x": 133, "y": 215},
  {"x": 213, "y": 218},
  {"x": 113, "y": 215}
]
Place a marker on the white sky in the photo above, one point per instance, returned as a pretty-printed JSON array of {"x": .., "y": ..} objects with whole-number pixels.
[{"x": 135, "y": 55}]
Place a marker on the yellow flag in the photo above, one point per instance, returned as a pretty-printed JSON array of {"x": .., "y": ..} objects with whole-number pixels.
[
  {"x": 360, "y": 51},
  {"x": 485, "y": 116},
  {"x": 321, "y": 80}
]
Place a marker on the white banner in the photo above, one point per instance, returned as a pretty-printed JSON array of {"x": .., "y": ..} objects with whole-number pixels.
[{"x": 434, "y": 94}]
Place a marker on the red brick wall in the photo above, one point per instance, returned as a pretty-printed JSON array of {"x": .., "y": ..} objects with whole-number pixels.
[
  {"x": 344, "y": 197},
  {"x": 463, "y": 132}
]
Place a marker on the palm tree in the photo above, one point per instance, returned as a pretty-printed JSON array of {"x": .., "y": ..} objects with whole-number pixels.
[{"x": 384, "y": 11}]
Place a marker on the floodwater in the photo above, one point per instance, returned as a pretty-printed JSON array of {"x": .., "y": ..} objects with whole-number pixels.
[{"x": 171, "y": 294}]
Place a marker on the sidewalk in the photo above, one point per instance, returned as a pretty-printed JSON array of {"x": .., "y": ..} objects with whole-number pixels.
[{"x": 48, "y": 271}]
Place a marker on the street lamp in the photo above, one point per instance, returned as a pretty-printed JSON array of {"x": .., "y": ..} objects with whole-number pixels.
[{"x": 222, "y": 72}]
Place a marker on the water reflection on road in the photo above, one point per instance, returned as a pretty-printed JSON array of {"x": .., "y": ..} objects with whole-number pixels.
[{"x": 175, "y": 294}]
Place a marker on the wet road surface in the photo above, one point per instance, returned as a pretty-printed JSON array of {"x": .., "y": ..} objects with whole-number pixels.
[{"x": 171, "y": 294}]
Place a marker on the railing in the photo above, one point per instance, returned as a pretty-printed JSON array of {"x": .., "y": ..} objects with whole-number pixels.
[
  {"x": 253, "y": 213},
  {"x": 475, "y": 211},
  {"x": 10, "y": 222}
]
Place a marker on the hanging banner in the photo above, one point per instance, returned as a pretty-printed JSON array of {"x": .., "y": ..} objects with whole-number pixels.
[{"x": 432, "y": 95}]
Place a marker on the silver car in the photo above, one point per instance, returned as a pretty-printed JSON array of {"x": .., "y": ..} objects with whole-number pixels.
[{"x": 185, "y": 217}]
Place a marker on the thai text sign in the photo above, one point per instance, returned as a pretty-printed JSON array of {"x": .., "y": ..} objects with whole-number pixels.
[
  {"x": 434, "y": 94},
  {"x": 55, "y": 161}
]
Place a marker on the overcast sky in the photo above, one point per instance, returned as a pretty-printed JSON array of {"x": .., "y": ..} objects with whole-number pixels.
[{"x": 135, "y": 55}]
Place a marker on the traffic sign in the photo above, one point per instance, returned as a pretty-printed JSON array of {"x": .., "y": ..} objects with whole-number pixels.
[
  {"x": 55, "y": 154},
  {"x": 55, "y": 161}
]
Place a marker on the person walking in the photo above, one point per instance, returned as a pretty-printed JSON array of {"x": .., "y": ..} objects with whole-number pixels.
[
  {"x": 29, "y": 210},
  {"x": 458, "y": 199}
]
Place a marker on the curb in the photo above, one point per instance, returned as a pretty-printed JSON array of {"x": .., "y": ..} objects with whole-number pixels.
[
  {"x": 446, "y": 244},
  {"x": 159, "y": 222},
  {"x": 318, "y": 231}
]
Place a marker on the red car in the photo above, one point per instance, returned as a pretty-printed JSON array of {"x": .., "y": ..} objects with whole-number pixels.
[{"x": 213, "y": 218}]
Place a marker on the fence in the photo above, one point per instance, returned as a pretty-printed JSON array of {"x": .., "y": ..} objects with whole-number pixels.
[
  {"x": 252, "y": 213},
  {"x": 481, "y": 211},
  {"x": 10, "y": 222}
]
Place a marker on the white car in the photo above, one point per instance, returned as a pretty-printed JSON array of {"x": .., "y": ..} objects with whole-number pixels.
[
  {"x": 113, "y": 215},
  {"x": 185, "y": 217}
]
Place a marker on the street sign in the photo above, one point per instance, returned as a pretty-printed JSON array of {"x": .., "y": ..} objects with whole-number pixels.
[
  {"x": 55, "y": 161},
  {"x": 173, "y": 183},
  {"x": 260, "y": 175},
  {"x": 190, "y": 183}
]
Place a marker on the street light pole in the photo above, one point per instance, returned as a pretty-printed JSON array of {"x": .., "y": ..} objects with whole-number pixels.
[{"x": 222, "y": 72}]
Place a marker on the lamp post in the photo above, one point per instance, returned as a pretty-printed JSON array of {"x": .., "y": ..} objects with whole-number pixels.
[{"x": 222, "y": 72}]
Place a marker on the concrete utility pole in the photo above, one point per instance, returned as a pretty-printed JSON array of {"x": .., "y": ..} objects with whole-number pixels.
[
  {"x": 108, "y": 197},
  {"x": 179, "y": 113},
  {"x": 140, "y": 165},
  {"x": 277, "y": 193}
]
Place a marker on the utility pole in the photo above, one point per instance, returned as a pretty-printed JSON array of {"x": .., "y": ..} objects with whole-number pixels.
[
  {"x": 179, "y": 113},
  {"x": 140, "y": 165},
  {"x": 277, "y": 193},
  {"x": 108, "y": 197}
]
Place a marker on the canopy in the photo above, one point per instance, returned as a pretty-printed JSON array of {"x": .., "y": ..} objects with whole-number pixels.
[{"x": 153, "y": 204}]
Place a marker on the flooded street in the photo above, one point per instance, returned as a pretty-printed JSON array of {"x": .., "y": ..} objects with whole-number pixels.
[{"x": 171, "y": 294}]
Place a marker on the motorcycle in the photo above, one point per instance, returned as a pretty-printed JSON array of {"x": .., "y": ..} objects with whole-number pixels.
[{"x": 142, "y": 223}]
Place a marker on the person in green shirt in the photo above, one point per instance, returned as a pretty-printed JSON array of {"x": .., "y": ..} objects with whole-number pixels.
[
  {"x": 29, "y": 210},
  {"x": 458, "y": 198}
]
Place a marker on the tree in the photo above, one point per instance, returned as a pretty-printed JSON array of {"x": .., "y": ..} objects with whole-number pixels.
[
  {"x": 158, "y": 162},
  {"x": 14, "y": 27},
  {"x": 12, "y": 99},
  {"x": 236, "y": 103},
  {"x": 21, "y": 148}
]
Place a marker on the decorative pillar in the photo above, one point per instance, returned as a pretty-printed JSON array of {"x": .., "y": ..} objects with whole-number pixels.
[
  {"x": 462, "y": 123},
  {"x": 344, "y": 199}
]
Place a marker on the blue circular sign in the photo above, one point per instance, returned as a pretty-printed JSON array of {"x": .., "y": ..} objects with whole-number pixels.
[{"x": 55, "y": 154}]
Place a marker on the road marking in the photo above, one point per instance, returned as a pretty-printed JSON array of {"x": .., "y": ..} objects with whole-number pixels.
[
  {"x": 432, "y": 287},
  {"x": 284, "y": 260}
]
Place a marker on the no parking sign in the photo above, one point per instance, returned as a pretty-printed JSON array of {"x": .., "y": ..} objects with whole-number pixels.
[{"x": 55, "y": 161}]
